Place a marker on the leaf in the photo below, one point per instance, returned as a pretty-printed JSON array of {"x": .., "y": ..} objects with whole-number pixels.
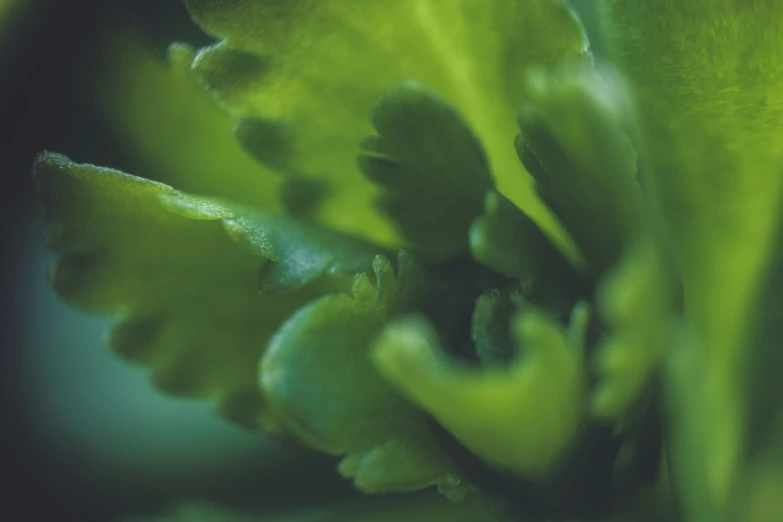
[
  {"x": 507, "y": 240},
  {"x": 319, "y": 379},
  {"x": 635, "y": 301},
  {"x": 432, "y": 169},
  {"x": 184, "y": 290},
  {"x": 704, "y": 462},
  {"x": 311, "y": 71},
  {"x": 521, "y": 418},
  {"x": 300, "y": 254},
  {"x": 760, "y": 481},
  {"x": 764, "y": 361},
  {"x": 707, "y": 105},
  {"x": 584, "y": 165},
  {"x": 758, "y": 498},
  {"x": 169, "y": 128},
  {"x": 708, "y": 132}
]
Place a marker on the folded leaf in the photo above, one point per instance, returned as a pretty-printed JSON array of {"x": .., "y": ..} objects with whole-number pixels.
[
  {"x": 184, "y": 289},
  {"x": 318, "y": 377},
  {"x": 312, "y": 70},
  {"x": 521, "y": 418}
]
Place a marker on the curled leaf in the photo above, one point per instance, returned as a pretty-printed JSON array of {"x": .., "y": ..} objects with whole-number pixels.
[{"x": 523, "y": 417}]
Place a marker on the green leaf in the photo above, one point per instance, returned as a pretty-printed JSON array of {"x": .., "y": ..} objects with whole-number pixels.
[
  {"x": 760, "y": 482},
  {"x": 707, "y": 124},
  {"x": 319, "y": 379},
  {"x": 169, "y": 128},
  {"x": 170, "y": 266},
  {"x": 521, "y": 418},
  {"x": 584, "y": 165},
  {"x": 764, "y": 361},
  {"x": 431, "y": 167},
  {"x": 507, "y": 240},
  {"x": 704, "y": 463},
  {"x": 759, "y": 487},
  {"x": 311, "y": 71},
  {"x": 298, "y": 253},
  {"x": 707, "y": 107},
  {"x": 635, "y": 302}
]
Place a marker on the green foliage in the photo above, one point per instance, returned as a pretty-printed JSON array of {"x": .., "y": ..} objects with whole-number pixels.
[
  {"x": 522, "y": 352},
  {"x": 508, "y": 241},
  {"x": 147, "y": 103},
  {"x": 759, "y": 485},
  {"x": 519, "y": 418},
  {"x": 432, "y": 169},
  {"x": 308, "y": 73},
  {"x": 705, "y": 80},
  {"x": 636, "y": 302},
  {"x": 320, "y": 381},
  {"x": 584, "y": 165},
  {"x": 182, "y": 275}
]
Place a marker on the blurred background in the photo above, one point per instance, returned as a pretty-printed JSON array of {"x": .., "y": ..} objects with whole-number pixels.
[{"x": 86, "y": 437}]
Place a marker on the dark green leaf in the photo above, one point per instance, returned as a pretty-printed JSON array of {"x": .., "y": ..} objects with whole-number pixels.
[
  {"x": 507, "y": 240},
  {"x": 762, "y": 478},
  {"x": 584, "y": 165},
  {"x": 319, "y": 378},
  {"x": 635, "y": 303},
  {"x": 431, "y": 167}
]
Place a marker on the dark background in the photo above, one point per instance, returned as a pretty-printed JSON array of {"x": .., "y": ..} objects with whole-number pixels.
[{"x": 45, "y": 55}]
